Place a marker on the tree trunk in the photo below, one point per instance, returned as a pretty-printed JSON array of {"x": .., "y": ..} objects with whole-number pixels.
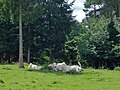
[
  {"x": 94, "y": 11},
  {"x": 8, "y": 58},
  {"x": 2, "y": 61},
  {"x": 21, "y": 65},
  {"x": 1, "y": 58},
  {"x": 50, "y": 51},
  {"x": 11, "y": 15},
  {"x": 28, "y": 59},
  {"x": 118, "y": 10}
]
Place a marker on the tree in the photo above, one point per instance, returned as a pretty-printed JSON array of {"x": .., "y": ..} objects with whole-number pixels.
[
  {"x": 108, "y": 8},
  {"x": 12, "y": 15},
  {"x": 72, "y": 52},
  {"x": 8, "y": 38},
  {"x": 21, "y": 65},
  {"x": 42, "y": 26},
  {"x": 53, "y": 27},
  {"x": 92, "y": 40},
  {"x": 34, "y": 11}
]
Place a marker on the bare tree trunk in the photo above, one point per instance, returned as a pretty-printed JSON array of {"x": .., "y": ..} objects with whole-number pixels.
[
  {"x": 119, "y": 10},
  {"x": 11, "y": 15},
  {"x": 50, "y": 51},
  {"x": 8, "y": 57},
  {"x": 94, "y": 10},
  {"x": 28, "y": 59},
  {"x": 1, "y": 58},
  {"x": 2, "y": 61},
  {"x": 28, "y": 55},
  {"x": 21, "y": 65}
]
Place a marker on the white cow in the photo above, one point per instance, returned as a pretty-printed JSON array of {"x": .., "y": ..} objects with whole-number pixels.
[
  {"x": 64, "y": 67},
  {"x": 52, "y": 66},
  {"x": 32, "y": 66},
  {"x": 73, "y": 68},
  {"x": 60, "y": 66}
]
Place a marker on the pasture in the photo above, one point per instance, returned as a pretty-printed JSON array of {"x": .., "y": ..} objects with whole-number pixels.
[{"x": 13, "y": 78}]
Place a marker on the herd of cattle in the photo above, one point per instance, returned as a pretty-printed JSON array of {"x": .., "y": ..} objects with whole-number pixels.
[{"x": 58, "y": 67}]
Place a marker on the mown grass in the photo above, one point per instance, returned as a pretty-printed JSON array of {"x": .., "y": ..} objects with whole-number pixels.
[{"x": 13, "y": 78}]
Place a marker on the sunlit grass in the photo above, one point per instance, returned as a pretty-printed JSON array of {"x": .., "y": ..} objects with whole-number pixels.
[{"x": 13, "y": 78}]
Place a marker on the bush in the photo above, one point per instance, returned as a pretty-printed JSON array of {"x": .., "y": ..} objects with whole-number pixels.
[{"x": 117, "y": 68}]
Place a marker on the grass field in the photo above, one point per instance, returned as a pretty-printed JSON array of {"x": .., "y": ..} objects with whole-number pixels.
[{"x": 13, "y": 78}]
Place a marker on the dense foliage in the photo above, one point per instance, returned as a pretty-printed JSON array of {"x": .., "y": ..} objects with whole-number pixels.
[
  {"x": 46, "y": 24},
  {"x": 100, "y": 33}
]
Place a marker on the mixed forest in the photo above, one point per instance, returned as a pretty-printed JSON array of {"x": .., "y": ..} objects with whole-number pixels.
[{"x": 45, "y": 31}]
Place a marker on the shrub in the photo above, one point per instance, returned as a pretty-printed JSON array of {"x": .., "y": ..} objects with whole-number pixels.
[{"x": 117, "y": 68}]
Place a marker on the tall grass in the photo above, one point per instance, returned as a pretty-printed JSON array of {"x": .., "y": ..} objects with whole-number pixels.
[{"x": 13, "y": 78}]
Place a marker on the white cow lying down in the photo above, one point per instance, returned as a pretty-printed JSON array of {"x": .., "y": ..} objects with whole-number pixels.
[
  {"x": 64, "y": 67},
  {"x": 52, "y": 67},
  {"x": 60, "y": 66},
  {"x": 56, "y": 66},
  {"x": 33, "y": 66},
  {"x": 73, "y": 68}
]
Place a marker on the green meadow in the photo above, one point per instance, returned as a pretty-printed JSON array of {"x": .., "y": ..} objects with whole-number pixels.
[{"x": 13, "y": 78}]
